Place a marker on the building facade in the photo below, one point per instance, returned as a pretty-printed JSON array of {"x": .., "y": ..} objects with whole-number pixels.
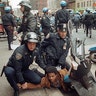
[
  {"x": 38, "y": 4},
  {"x": 55, "y": 4},
  {"x": 71, "y": 4},
  {"x": 52, "y": 5},
  {"x": 84, "y": 4}
]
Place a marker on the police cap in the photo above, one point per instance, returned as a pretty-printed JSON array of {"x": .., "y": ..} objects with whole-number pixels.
[{"x": 62, "y": 27}]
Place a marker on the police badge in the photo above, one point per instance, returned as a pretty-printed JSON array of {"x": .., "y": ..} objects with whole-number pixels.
[{"x": 64, "y": 46}]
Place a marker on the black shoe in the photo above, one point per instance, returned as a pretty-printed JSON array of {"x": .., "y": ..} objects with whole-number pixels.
[
  {"x": 16, "y": 93},
  {"x": 90, "y": 36},
  {"x": 10, "y": 49}
]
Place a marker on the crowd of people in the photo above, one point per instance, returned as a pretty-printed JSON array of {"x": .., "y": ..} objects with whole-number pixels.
[{"x": 48, "y": 53}]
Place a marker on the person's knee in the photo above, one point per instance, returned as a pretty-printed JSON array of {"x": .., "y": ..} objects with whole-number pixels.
[
  {"x": 38, "y": 80},
  {"x": 9, "y": 71}
]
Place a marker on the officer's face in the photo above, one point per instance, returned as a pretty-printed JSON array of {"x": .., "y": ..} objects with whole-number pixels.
[
  {"x": 22, "y": 8},
  {"x": 31, "y": 46},
  {"x": 62, "y": 34}
]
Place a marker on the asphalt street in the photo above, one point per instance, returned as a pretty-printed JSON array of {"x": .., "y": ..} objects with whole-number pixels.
[{"x": 6, "y": 90}]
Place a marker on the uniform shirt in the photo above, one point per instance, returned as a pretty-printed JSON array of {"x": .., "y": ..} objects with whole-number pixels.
[
  {"x": 89, "y": 19},
  {"x": 28, "y": 23},
  {"x": 21, "y": 60},
  {"x": 62, "y": 16},
  {"x": 57, "y": 47},
  {"x": 45, "y": 22},
  {"x": 8, "y": 20}
]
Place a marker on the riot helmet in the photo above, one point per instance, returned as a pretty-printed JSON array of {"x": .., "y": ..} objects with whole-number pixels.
[
  {"x": 45, "y": 9},
  {"x": 7, "y": 9},
  {"x": 26, "y": 5},
  {"x": 31, "y": 37},
  {"x": 88, "y": 10},
  {"x": 63, "y": 3}
]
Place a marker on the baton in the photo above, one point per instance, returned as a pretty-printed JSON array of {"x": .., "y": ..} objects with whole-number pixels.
[{"x": 2, "y": 71}]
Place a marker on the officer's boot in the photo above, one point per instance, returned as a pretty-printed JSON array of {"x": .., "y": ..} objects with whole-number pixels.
[
  {"x": 90, "y": 36},
  {"x": 16, "y": 93},
  {"x": 9, "y": 47},
  {"x": 86, "y": 34}
]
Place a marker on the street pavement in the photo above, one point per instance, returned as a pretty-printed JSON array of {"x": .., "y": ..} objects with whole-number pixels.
[{"x": 6, "y": 90}]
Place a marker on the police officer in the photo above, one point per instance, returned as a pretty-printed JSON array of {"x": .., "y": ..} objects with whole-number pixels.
[
  {"x": 28, "y": 21},
  {"x": 88, "y": 20},
  {"x": 94, "y": 22},
  {"x": 62, "y": 15},
  {"x": 56, "y": 47},
  {"x": 17, "y": 69},
  {"x": 76, "y": 20},
  {"x": 9, "y": 24},
  {"x": 45, "y": 22}
]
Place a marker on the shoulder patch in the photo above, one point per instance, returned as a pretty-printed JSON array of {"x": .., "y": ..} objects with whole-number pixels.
[{"x": 18, "y": 56}]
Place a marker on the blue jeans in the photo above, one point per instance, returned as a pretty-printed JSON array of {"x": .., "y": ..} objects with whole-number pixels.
[{"x": 28, "y": 75}]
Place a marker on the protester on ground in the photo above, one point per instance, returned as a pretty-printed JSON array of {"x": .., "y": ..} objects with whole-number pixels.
[{"x": 53, "y": 78}]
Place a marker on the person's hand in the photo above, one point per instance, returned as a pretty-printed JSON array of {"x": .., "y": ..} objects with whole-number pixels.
[
  {"x": 24, "y": 86},
  {"x": 19, "y": 85},
  {"x": 15, "y": 33},
  {"x": 20, "y": 39}
]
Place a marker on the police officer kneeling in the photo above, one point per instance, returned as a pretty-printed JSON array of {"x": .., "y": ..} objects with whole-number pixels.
[
  {"x": 56, "y": 47},
  {"x": 17, "y": 69}
]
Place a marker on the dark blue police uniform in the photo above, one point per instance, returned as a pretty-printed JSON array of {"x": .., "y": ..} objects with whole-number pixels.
[
  {"x": 56, "y": 50},
  {"x": 17, "y": 69}
]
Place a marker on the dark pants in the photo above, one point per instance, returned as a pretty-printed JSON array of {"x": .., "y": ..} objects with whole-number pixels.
[
  {"x": 88, "y": 30},
  {"x": 9, "y": 31},
  {"x": 22, "y": 41},
  {"x": 28, "y": 75},
  {"x": 76, "y": 25}
]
